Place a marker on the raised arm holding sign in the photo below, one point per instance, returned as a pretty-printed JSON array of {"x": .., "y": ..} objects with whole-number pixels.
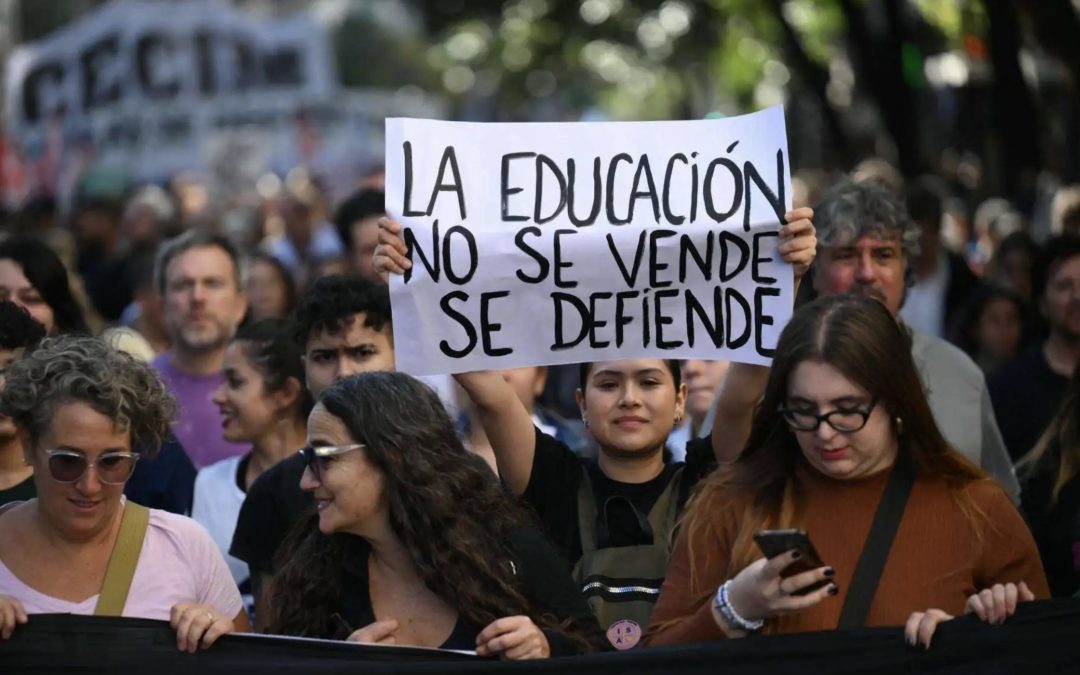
[
  {"x": 509, "y": 426},
  {"x": 622, "y": 246},
  {"x": 630, "y": 407}
]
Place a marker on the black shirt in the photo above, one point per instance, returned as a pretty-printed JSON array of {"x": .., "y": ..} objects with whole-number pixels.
[
  {"x": 166, "y": 481},
  {"x": 1054, "y": 526},
  {"x": 20, "y": 492},
  {"x": 1026, "y": 394},
  {"x": 543, "y": 581},
  {"x": 274, "y": 502},
  {"x": 556, "y": 477}
]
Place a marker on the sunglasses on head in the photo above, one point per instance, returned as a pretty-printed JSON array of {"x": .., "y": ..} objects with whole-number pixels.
[
  {"x": 113, "y": 468},
  {"x": 316, "y": 456}
]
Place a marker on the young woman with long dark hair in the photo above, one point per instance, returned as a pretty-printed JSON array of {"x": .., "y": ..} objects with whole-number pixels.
[{"x": 414, "y": 541}]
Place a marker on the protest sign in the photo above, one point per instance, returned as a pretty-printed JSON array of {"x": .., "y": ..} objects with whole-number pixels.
[
  {"x": 561, "y": 243},
  {"x": 156, "y": 88}
]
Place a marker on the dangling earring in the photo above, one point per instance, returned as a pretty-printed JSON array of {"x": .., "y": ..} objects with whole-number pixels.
[
  {"x": 899, "y": 426},
  {"x": 585, "y": 420}
]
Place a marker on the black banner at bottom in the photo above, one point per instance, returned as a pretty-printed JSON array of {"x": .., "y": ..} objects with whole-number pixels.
[{"x": 1044, "y": 637}]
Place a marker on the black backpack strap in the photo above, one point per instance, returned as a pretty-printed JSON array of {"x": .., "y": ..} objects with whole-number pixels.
[{"x": 875, "y": 551}]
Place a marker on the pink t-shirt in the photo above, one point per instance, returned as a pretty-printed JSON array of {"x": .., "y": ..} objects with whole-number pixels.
[{"x": 179, "y": 562}]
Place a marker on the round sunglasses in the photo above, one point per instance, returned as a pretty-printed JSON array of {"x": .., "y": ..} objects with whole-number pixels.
[{"x": 113, "y": 468}]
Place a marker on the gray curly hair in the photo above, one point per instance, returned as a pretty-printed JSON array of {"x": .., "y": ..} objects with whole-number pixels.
[
  {"x": 71, "y": 368},
  {"x": 851, "y": 210}
]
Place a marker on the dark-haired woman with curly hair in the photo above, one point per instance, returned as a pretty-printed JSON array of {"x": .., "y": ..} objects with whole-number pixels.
[
  {"x": 87, "y": 413},
  {"x": 414, "y": 541}
]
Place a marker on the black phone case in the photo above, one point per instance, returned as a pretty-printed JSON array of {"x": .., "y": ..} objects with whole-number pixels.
[{"x": 777, "y": 542}]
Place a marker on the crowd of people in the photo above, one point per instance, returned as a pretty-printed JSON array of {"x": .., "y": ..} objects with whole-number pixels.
[{"x": 204, "y": 425}]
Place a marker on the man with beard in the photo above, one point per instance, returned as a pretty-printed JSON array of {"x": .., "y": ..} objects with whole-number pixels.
[
  {"x": 1027, "y": 392},
  {"x": 18, "y": 332},
  {"x": 866, "y": 242},
  {"x": 199, "y": 278}
]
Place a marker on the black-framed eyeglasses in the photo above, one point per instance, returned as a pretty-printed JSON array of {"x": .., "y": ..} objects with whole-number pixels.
[
  {"x": 113, "y": 468},
  {"x": 315, "y": 457},
  {"x": 844, "y": 420}
]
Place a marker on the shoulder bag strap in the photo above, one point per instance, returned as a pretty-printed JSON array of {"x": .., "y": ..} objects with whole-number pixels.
[
  {"x": 122, "y": 561},
  {"x": 665, "y": 511},
  {"x": 875, "y": 551},
  {"x": 586, "y": 501}
]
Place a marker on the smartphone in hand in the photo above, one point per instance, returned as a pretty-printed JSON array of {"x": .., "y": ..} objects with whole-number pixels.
[{"x": 777, "y": 542}]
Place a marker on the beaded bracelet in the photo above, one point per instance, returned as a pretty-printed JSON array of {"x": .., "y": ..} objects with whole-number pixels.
[{"x": 723, "y": 605}]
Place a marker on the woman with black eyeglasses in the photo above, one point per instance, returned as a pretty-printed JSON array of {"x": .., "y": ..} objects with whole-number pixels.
[
  {"x": 414, "y": 541},
  {"x": 87, "y": 412},
  {"x": 844, "y": 447}
]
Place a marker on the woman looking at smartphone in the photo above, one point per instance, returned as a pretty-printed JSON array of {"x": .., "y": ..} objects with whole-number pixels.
[{"x": 843, "y": 411}]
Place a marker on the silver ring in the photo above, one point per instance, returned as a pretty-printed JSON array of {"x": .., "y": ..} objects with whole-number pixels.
[{"x": 210, "y": 616}]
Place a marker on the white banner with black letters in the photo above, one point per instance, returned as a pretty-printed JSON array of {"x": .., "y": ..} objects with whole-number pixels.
[
  {"x": 560, "y": 243},
  {"x": 147, "y": 85}
]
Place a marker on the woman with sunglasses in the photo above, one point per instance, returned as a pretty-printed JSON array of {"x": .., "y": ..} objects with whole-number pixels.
[
  {"x": 87, "y": 412},
  {"x": 263, "y": 402},
  {"x": 844, "y": 421},
  {"x": 414, "y": 542}
]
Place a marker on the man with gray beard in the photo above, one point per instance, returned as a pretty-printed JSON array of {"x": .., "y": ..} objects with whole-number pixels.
[
  {"x": 200, "y": 280},
  {"x": 866, "y": 243}
]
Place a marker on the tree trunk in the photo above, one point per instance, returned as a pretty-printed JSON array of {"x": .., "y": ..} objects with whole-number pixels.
[
  {"x": 1015, "y": 115},
  {"x": 816, "y": 79},
  {"x": 878, "y": 60}
]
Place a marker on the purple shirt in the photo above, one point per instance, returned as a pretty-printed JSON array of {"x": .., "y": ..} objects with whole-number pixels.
[
  {"x": 198, "y": 424},
  {"x": 179, "y": 562}
]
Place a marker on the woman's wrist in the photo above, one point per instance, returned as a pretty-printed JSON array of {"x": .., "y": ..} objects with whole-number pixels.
[
  {"x": 729, "y": 631},
  {"x": 729, "y": 619}
]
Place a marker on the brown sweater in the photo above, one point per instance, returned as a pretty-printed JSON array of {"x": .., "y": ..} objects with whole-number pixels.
[{"x": 934, "y": 560}]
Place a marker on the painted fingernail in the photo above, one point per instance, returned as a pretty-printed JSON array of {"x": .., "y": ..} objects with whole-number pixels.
[
  {"x": 833, "y": 589},
  {"x": 829, "y": 571}
]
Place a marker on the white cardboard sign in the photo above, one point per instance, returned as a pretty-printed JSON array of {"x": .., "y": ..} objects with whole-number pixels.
[{"x": 559, "y": 243}]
